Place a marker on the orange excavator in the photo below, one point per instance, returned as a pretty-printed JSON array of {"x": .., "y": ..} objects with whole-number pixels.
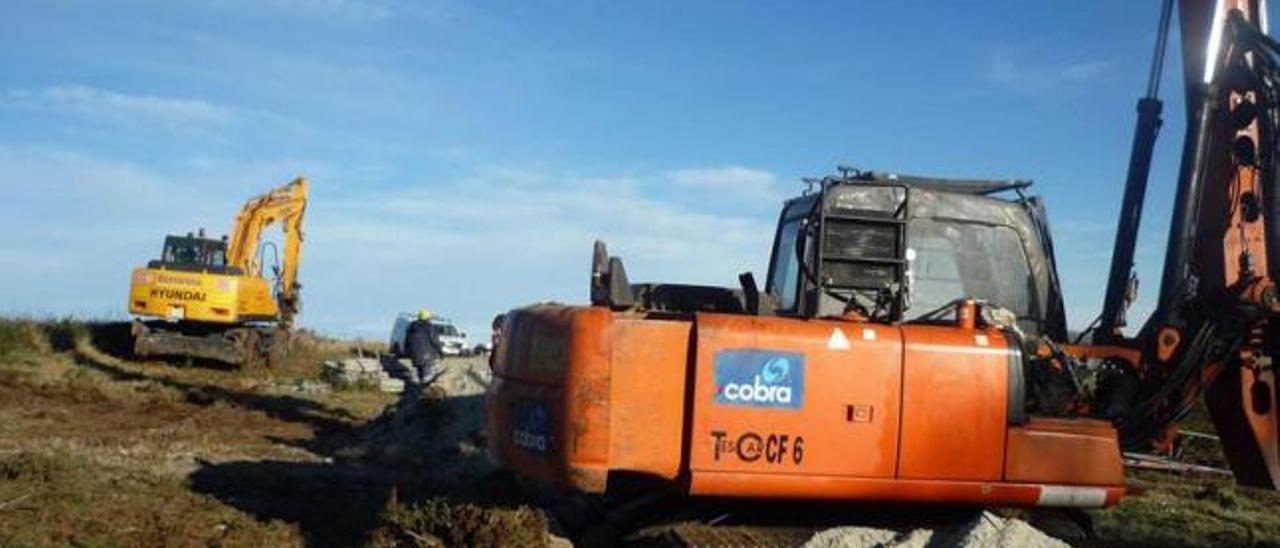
[{"x": 910, "y": 342}]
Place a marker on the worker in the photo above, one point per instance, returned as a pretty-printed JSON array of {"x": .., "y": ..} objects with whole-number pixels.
[
  {"x": 423, "y": 341},
  {"x": 496, "y": 339}
]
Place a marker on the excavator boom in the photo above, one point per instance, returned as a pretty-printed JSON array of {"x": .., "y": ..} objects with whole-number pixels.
[
  {"x": 1212, "y": 331},
  {"x": 285, "y": 205}
]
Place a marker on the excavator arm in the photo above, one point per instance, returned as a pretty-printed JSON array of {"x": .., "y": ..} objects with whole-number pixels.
[
  {"x": 1221, "y": 261},
  {"x": 285, "y": 205},
  {"x": 1213, "y": 331}
]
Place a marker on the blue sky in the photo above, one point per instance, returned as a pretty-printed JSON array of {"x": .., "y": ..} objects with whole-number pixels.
[{"x": 463, "y": 155}]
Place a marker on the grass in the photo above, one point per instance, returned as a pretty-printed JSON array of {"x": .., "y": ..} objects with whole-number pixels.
[
  {"x": 95, "y": 448},
  {"x": 440, "y": 522},
  {"x": 308, "y": 349},
  {"x": 1175, "y": 510},
  {"x": 60, "y": 498},
  {"x": 18, "y": 337},
  {"x": 1172, "y": 509},
  {"x": 98, "y": 449}
]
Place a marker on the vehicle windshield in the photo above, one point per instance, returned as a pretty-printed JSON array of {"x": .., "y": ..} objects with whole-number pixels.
[
  {"x": 194, "y": 252},
  {"x": 448, "y": 330},
  {"x": 958, "y": 259}
]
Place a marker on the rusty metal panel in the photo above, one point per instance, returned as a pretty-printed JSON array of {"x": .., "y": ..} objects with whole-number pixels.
[
  {"x": 650, "y": 366},
  {"x": 547, "y": 408}
]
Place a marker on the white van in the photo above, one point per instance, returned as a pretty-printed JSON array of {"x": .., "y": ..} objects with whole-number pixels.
[{"x": 454, "y": 343}]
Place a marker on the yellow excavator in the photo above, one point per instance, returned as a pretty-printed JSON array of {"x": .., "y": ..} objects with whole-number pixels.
[{"x": 209, "y": 298}]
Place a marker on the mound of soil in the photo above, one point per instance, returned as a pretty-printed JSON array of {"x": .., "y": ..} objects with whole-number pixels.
[{"x": 437, "y": 430}]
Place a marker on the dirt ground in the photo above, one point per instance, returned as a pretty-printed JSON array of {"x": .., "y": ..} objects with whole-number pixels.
[
  {"x": 99, "y": 450},
  {"x": 96, "y": 450}
]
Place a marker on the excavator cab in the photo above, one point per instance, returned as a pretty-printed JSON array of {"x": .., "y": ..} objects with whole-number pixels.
[
  {"x": 195, "y": 253},
  {"x": 892, "y": 248}
]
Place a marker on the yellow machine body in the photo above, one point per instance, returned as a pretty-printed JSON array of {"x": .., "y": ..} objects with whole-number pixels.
[
  {"x": 210, "y": 298},
  {"x": 175, "y": 295}
]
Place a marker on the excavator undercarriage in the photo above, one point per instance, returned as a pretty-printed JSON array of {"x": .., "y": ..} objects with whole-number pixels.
[{"x": 248, "y": 347}]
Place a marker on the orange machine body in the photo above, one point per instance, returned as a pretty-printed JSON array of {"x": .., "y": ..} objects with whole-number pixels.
[{"x": 752, "y": 406}]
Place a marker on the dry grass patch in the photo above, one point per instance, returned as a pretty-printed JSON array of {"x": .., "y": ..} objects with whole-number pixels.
[
  {"x": 440, "y": 522},
  {"x": 60, "y": 499},
  {"x": 1177, "y": 510}
]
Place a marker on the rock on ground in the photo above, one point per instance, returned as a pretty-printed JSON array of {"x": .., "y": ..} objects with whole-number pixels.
[
  {"x": 854, "y": 537},
  {"x": 986, "y": 530},
  {"x": 385, "y": 374},
  {"x": 991, "y": 530}
]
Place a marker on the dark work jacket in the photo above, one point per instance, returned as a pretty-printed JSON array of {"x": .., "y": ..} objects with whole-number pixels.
[{"x": 422, "y": 340}]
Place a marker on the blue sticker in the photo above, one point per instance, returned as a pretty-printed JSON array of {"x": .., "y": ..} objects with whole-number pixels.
[{"x": 760, "y": 378}]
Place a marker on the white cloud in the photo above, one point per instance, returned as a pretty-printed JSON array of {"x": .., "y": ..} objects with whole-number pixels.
[
  {"x": 475, "y": 247},
  {"x": 348, "y": 10},
  {"x": 1006, "y": 67},
  {"x": 73, "y": 225},
  {"x": 1001, "y": 69},
  {"x": 1085, "y": 71},
  {"x": 730, "y": 180},
  {"x": 468, "y": 247},
  {"x": 116, "y": 107},
  {"x": 174, "y": 115},
  {"x": 367, "y": 10}
]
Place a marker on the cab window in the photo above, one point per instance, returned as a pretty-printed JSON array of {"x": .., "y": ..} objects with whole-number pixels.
[
  {"x": 784, "y": 282},
  {"x": 785, "y": 285},
  {"x": 956, "y": 259}
]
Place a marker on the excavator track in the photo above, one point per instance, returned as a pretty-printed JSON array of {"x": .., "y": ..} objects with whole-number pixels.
[{"x": 245, "y": 347}]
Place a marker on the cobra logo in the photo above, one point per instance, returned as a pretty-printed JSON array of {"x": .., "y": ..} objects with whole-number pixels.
[
  {"x": 528, "y": 440},
  {"x": 771, "y": 385},
  {"x": 775, "y": 371},
  {"x": 532, "y": 430}
]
